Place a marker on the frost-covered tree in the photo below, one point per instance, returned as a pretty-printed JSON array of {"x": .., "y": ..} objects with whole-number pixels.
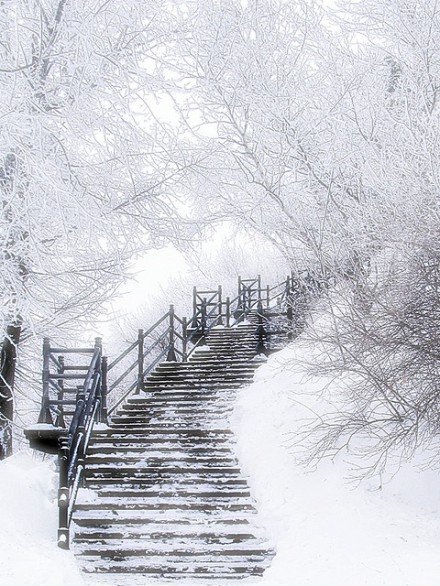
[
  {"x": 272, "y": 90},
  {"x": 326, "y": 129},
  {"x": 86, "y": 164}
]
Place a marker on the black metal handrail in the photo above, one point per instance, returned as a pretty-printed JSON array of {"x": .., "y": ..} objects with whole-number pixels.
[
  {"x": 74, "y": 445},
  {"x": 169, "y": 334},
  {"x": 171, "y": 338},
  {"x": 57, "y": 398}
]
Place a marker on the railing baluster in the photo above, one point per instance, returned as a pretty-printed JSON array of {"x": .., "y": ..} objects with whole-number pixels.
[
  {"x": 140, "y": 375},
  {"x": 60, "y": 417},
  {"x": 104, "y": 388},
  {"x": 171, "y": 356},
  {"x": 203, "y": 318},
  {"x": 63, "y": 499},
  {"x": 81, "y": 427},
  {"x": 228, "y": 312},
  {"x": 184, "y": 339},
  {"x": 45, "y": 414},
  {"x": 220, "y": 306},
  {"x": 261, "y": 332},
  {"x": 259, "y": 289}
]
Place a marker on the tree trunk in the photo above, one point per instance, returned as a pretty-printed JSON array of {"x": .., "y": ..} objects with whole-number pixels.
[{"x": 8, "y": 362}]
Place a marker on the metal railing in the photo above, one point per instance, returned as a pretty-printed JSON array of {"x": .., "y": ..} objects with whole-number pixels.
[
  {"x": 73, "y": 447},
  {"x": 76, "y": 409},
  {"x": 166, "y": 339}
]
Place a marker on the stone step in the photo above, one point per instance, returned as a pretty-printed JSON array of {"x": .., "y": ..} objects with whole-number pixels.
[
  {"x": 166, "y": 461},
  {"x": 182, "y": 404},
  {"x": 208, "y": 377},
  {"x": 213, "y": 361},
  {"x": 203, "y": 571},
  {"x": 142, "y": 443},
  {"x": 100, "y": 471},
  {"x": 229, "y": 350},
  {"x": 195, "y": 383},
  {"x": 165, "y": 426},
  {"x": 155, "y": 484},
  {"x": 184, "y": 407},
  {"x": 184, "y": 431},
  {"x": 165, "y": 537},
  {"x": 203, "y": 373},
  {"x": 174, "y": 412},
  {"x": 103, "y": 503},
  {"x": 172, "y": 505},
  {"x": 160, "y": 405},
  {"x": 202, "y": 384},
  {"x": 174, "y": 492},
  {"x": 162, "y": 517},
  {"x": 196, "y": 368},
  {"x": 162, "y": 408},
  {"x": 174, "y": 394},
  {"x": 103, "y": 450},
  {"x": 205, "y": 552},
  {"x": 164, "y": 383}
]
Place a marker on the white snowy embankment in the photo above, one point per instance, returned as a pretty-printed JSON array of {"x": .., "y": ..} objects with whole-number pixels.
[
  {"x": 327, "y": 531},
  {"x": 29, "y": 555}
]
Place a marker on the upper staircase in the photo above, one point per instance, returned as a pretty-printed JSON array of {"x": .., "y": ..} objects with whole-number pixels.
[{"x": 151, "y": 484}]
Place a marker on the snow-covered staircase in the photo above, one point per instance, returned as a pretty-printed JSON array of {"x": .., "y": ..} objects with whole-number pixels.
[{"x": 167, "y": 497}]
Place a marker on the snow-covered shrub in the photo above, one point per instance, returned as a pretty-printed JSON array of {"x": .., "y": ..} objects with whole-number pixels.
[{"x": 384, "y": 347}]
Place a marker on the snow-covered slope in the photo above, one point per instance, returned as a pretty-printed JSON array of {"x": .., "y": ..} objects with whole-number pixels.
[
  {"x": 29, "y": 555},
  {"x": 326, "y": 530}
]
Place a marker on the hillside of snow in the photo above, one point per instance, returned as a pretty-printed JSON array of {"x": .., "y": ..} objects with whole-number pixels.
[
  {"x": 28, "y": 526},
  {"x": 328, "y": 531}
]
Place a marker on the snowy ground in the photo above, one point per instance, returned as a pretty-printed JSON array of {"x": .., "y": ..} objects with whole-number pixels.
[
  {"x": 28, "y": 526},
  {"x": 326, "y": 531}
]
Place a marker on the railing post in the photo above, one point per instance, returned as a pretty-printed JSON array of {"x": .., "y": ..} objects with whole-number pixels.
[
  {"x": 228, "y": 312},
  {"x": 220, "y": 307},
  {"x": 259, "y": 289},
  {"x": 171, "y": 356},
  {"x": 289, "y": 307},
  {"x": 45, "y": 414},
  {"x": 63, "y": 499},
  {"x": 140, "y": 375},
  {"x": 59, "y": 422},
  {"x": 80, "y": 396},
  {"x": 185, "y": 339},
  {"x": 289, "y": 321},
  {"x": 194, "y": 323},
  {"x": 261, "y": 332},
  {"x": 267, "y": 296},
  {"x": 288, "y": 287},
  {"x": 98, "y": 345},
  {"x": 104, "y": 388},
  {"x": 245, "y": 298},
  {"x": 203, "y": 317}
]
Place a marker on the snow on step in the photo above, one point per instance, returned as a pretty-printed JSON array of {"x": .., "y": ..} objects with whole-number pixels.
[{"x": 169, "y": 499}]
